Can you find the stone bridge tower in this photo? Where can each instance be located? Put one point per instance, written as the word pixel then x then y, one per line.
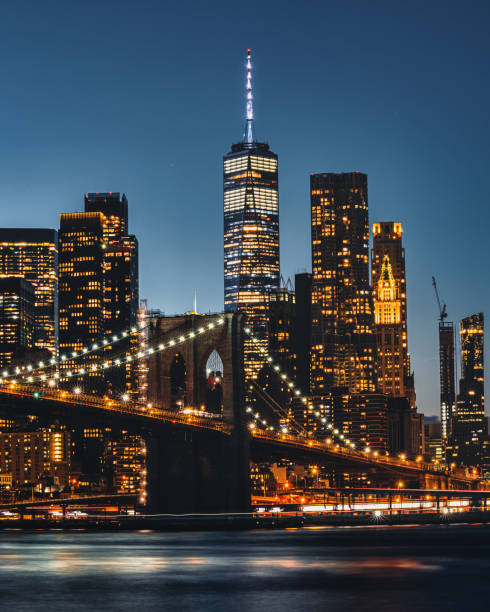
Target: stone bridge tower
pixel 206 471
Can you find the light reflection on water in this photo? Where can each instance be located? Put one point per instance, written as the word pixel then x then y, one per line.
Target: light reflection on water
pixel 386 569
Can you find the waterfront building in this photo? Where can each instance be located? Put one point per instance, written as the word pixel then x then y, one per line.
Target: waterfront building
pixel 17 324
pixel 129 465
pixel 388 280
pixel 32 253
pixel 343 350
pixel 251 232
pixel 30 456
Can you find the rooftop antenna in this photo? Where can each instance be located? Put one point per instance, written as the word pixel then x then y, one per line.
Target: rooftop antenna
pixel 250 107
pixel 195 301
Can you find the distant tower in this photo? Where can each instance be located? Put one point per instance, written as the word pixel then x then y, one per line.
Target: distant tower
pixel 390 311
pixel 446 368
pixel 470 426
pixel 251 231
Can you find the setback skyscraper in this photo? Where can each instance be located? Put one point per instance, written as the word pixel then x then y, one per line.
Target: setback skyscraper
pixel 343 348
pixel 120 284
pixel 390 311
pixel 251 232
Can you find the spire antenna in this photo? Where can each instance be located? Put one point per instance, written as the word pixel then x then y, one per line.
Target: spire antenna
pixel 250 106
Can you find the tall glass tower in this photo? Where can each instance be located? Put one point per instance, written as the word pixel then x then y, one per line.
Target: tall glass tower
pixel 251 232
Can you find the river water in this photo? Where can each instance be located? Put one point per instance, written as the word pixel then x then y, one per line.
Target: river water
pixel 328 569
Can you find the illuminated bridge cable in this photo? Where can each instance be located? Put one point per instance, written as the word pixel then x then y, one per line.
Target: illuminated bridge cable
pixel 84 351
pixel 304 399
pixel 118 361
pixel 277 408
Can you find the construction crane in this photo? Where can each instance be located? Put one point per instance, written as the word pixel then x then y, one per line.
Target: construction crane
pixel 442 310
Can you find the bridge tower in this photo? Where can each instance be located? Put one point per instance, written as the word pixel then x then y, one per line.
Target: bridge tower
pixel 205 471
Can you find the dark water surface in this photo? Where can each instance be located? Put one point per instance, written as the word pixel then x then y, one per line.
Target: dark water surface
pixel 351 569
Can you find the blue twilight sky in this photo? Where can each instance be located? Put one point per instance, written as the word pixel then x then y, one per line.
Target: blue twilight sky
pixel 145 97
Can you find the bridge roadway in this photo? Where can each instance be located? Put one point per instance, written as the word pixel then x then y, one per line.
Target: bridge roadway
pixel 263 440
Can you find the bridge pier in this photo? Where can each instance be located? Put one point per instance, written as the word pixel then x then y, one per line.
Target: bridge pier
pixel 197 472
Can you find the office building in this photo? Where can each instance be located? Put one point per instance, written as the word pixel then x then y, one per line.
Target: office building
pixel 32 254
pixel 17 326
pixel 114 207
pixel 30 456
pixel 302 341
pixel 81 294
pixel 470 426
pixel 251 232
pixel 120 286
pixel 343 350
pixel 129 465
pixel 447 377
pixel 390 311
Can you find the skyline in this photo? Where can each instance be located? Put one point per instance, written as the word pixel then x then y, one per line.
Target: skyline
pixel 147 183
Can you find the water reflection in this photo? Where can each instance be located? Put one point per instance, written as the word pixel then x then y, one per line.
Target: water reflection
pixel 284 570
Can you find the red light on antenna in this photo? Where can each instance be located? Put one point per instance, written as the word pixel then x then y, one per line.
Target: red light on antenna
pixel 249 51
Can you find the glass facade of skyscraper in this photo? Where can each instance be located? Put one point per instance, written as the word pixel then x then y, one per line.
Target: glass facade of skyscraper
pixel 251 240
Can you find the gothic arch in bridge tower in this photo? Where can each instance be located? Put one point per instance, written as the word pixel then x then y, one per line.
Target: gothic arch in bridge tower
pixel 214 380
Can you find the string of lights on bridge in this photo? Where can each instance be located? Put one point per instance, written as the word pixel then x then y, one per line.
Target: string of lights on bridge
pixel 141 354
pixel 297 392
pixel 83 352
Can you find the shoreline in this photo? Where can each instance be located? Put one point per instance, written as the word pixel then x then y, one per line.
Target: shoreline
pixel 239 522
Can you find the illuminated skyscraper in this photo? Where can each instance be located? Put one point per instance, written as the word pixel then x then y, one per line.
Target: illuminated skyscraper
pixel 114 207
pixel 81 285
pixel 390 311
pixel 33 254
pixel 470 426
pixel 343 341
pixel 447 377
pixel 16 318
pixel 251 232
pixel 120 284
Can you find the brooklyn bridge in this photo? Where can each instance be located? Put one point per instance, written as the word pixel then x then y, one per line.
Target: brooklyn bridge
pixel 199 450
